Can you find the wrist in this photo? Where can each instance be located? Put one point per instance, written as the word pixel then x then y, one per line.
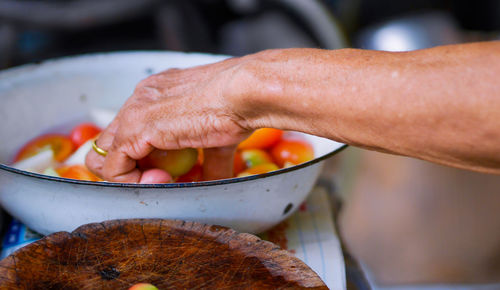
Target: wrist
pixel 254 90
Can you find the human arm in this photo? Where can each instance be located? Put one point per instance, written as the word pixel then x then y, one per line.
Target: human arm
pixel 440 104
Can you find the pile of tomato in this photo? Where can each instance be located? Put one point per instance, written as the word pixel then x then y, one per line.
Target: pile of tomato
pixel 62 146
pixel 264 151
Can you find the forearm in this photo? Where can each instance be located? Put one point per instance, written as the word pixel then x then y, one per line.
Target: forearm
pixel 440 104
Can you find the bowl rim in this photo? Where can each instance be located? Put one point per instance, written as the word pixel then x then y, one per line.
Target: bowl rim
pixel 31 66
pixel 173 185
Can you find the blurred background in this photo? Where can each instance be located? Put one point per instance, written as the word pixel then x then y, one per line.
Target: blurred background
pixel 404 221
pixel 33 30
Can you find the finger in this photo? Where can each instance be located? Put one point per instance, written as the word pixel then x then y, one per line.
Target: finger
pixel 155 175
pixel 120 164
pixel 218 162
pixel 95 161
pixel 119 167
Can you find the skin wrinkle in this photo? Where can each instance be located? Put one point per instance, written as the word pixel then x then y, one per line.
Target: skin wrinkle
pixel 440 107
pixel 417 105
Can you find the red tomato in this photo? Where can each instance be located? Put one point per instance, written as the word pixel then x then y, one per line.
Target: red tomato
pixel 239 164
pixel 195 174
pixel 292 151
pixel 83 132
pixel 79 172
pixel 175 162
pixel 261 139
pixel 259 169
pixel 59 144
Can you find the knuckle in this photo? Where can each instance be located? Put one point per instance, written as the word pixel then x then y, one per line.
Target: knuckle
pixel 172 70
pixel 127 146
pixel 149 81
pixel 145 93
pixel 132 143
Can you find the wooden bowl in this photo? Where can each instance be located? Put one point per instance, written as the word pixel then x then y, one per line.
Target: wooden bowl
pixel 166 253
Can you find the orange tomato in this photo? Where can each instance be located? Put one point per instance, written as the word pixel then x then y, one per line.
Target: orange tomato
pixel 261 139
pixel 78 171
pixel 83 132
pixel 259 169
pixel 59 144
pixel 292 151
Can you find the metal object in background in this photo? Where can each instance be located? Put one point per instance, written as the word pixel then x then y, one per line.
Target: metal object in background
pixel 319 20
pixel 248 26
pixel 183 26
pixel 412 32
pixel 266 31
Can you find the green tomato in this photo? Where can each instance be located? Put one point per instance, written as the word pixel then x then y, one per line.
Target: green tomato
pixel 175 162
pixel 254 157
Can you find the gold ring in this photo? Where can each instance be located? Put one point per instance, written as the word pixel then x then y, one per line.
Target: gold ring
pixel 98 150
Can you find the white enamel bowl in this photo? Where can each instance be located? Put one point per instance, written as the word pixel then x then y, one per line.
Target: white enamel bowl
pixel 36 97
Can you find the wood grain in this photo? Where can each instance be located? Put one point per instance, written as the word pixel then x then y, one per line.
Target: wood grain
pixel 167 253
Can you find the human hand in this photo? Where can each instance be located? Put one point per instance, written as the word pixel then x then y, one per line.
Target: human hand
pixel 178 108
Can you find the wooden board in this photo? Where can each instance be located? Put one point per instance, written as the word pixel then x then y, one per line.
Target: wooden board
pixel 166 253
